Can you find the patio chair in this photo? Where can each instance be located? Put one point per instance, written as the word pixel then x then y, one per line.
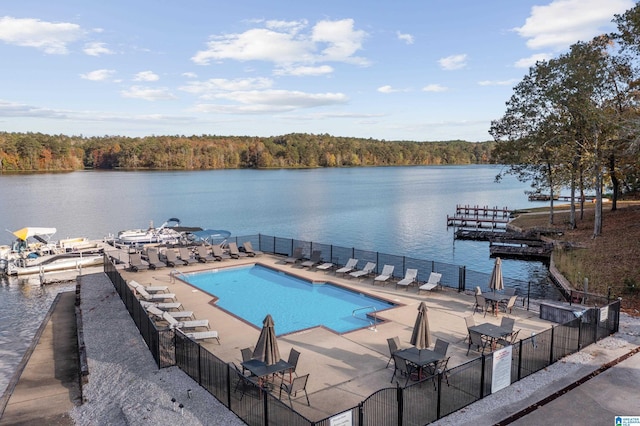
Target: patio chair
pixel 219 254
pixel 184 254
pixel 248 248
pixel 316 258
pixel 476 339
pixel 245 383
pixel 404 368
pixel 481 303
pixel 509 304
pixel 385 275
pixel 350 266
pixel 409 278
pixel 203 255
pixel 507 323
pixel 441 347
pixel 293 358
pixel 432 282
pixel 470 320
pixel 136 264
pixel 174 323
pixel 154 260
pixel 368 269
pixel 234 252
pixel 394 346
pixel 509 291
pixel 172 259
pixel 295 257
pixel 513 337
pixel 299 384
pixel 439 368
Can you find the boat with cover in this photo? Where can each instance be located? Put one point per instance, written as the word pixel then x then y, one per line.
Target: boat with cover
pixel 170 232
pixel 34 252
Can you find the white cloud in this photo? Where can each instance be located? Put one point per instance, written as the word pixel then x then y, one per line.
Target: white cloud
pixel 304 70
pixel 386 89
pixel 190 75
pixel 148 93
pixel 407 38
pixel 453 62
pixel 210 88
pixel 269 101
pixel 98 75
pixel 285 43
pixel 96 49
pixel 564 22
pixel 509 82
pixel 434 88
pixel 49 37
pixel 531 60
pixel 146 76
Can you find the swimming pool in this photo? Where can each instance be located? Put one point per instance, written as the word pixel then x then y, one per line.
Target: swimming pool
pixel 252 292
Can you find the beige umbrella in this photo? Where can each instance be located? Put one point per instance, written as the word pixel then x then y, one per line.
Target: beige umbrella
pixel 496 282
pixel 421 336
pixel 267 347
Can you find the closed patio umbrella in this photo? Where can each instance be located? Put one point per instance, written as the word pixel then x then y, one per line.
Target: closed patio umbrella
pixel 496 282
pixel 267 347
pixel 421 336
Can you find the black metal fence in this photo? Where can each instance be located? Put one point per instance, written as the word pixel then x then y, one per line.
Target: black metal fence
pixel 420 403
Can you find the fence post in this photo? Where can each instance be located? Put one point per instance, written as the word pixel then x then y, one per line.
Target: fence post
pixel 360 413
pixel 199 364
pixel 265 407
pixel 462 278
pixel 528 294
pixel 553 329
pixel 399 400
pixel 482 376
pixel 439 403
pixel 520 360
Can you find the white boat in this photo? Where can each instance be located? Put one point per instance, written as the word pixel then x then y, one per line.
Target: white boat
pixel 34 252
pixel 169 233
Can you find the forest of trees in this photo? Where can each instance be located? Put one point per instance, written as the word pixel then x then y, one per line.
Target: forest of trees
pixel 32 152
pixel 574 121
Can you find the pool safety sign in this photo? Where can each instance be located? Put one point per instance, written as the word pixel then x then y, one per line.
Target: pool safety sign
pixel 627 421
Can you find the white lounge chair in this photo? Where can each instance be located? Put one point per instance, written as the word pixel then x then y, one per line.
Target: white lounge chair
pixel 174 323
pixel 368 269
pixel 350 266
pixel 165 306
pixel 155 297
pixel 149 288
pixel 201 335
pixel 432 282
pixel 409 278
pixel 179 315
pixel 325 266
pixel 385 275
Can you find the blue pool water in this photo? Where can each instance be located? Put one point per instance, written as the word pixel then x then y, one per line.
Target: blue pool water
pixel 252 292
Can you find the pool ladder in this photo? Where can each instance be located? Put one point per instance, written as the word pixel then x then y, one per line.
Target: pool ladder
pixel 375 317
pixel 174 273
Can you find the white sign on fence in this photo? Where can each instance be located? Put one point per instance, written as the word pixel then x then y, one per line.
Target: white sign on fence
pixel 501 368
pixel 342 419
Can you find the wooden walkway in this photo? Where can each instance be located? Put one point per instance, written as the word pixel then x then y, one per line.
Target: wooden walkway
pixel 480 217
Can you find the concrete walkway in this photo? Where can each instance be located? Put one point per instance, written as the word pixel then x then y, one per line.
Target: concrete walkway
pixel 46 385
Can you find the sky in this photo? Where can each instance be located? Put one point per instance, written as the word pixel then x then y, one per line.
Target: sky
pixel 418 70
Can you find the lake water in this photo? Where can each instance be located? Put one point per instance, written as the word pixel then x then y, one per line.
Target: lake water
pixel 395 210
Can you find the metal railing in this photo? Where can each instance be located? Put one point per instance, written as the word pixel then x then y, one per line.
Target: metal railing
pixel 420 403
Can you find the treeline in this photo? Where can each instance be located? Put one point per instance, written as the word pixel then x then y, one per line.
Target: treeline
pixel 41 152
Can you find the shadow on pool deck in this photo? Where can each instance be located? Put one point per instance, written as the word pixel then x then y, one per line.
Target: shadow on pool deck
pixel 344 369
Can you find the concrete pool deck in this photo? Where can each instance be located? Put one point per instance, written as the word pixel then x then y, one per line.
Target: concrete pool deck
pixel 344 369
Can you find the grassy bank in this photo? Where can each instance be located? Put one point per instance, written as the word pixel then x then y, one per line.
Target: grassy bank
pixel 608 261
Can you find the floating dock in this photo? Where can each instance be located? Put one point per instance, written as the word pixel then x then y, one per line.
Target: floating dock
pixel 480 217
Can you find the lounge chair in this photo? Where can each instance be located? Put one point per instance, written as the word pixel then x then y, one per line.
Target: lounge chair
pixel 368 269
pixel 184 254
pixel 248 248
pixel 234 252
pixel 136 264
pixel 316 258
pixel 149 288
pixel 156 297
pixel 325 266
pixel 432 283
pixel 385 275
pixel 409 278
pixel 296 256
pixel 172 259
pixel 203 255
pixel 201 335
pixel 179 315
pixel 350 266
pixel 165 306
pixel 218 253
pixel 154 260
pixel 174 323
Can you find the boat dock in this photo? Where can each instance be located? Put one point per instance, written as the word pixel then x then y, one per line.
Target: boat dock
pixel 480 217
pixel 521 247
